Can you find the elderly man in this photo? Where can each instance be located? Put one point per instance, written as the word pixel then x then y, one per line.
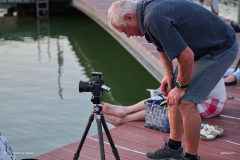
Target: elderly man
pixel 204 46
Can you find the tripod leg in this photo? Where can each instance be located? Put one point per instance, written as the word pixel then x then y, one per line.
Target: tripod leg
pixel 90 120
pixel 100 135
pixel 114 149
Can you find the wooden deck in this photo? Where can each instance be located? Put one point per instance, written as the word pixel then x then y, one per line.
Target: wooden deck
pixel 132 139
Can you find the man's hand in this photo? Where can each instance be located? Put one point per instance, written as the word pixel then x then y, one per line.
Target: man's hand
pixel 185 68
pixel 167 80
pixel 174 96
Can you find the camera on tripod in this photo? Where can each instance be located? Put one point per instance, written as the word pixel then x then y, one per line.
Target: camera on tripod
pixel 96 87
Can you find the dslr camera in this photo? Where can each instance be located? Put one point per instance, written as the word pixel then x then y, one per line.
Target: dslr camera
pixel 96 87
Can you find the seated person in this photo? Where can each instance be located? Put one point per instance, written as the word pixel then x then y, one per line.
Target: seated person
pixel 231 76
pixel 118 115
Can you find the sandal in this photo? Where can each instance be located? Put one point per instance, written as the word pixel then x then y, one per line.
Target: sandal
pixel 210 132
pixel 221 130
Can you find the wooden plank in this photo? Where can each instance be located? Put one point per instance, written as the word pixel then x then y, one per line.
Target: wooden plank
pixel 227 136
pixel 143 140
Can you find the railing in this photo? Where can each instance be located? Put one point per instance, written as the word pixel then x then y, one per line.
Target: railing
pixel 42 8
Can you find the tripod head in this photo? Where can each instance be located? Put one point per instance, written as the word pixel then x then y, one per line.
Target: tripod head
pixel 97 108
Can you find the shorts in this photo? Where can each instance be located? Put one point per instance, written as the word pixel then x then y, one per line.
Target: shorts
pixel 207 72
pixel 211 108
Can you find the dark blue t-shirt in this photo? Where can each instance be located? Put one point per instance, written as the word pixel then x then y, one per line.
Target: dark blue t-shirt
pixel 172 25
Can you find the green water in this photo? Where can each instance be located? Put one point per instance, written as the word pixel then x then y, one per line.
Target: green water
pixel 41 65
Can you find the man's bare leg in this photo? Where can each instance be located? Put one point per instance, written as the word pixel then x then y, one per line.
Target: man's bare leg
pixel 122 111
pixel 192 125
pixel 175 122
pixel 116 121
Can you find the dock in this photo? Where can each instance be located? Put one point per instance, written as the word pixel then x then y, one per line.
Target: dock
pixel 132 139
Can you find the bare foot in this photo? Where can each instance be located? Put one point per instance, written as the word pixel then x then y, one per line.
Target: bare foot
pixel 114 110
pixel 230 78
pixel 112 120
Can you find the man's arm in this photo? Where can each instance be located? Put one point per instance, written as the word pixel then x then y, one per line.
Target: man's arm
pixel 168 77
pixel 185 66
pixel 185 69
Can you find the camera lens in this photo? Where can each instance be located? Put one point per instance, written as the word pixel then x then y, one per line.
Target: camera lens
pixel 84 86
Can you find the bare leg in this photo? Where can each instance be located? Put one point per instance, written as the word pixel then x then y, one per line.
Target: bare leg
pixel 230 78
pixel 122 111
pixel 192 125
pixel 116 121
pixel 175 122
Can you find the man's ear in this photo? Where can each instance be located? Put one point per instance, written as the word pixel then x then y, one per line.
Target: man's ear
pixel 128 17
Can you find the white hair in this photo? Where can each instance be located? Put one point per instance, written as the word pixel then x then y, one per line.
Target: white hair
pixel 118 9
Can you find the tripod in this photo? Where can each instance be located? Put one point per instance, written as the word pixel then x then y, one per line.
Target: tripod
pixel 97 112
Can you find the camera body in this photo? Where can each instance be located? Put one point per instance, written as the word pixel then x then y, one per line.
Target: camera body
pixel 96 87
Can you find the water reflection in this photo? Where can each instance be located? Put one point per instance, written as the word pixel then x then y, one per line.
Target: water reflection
pixel 43 28
pixel 228 9
pixel 60 64
pixel 98 53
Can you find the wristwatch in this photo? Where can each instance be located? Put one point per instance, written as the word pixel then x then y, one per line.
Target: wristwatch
pixel 178 85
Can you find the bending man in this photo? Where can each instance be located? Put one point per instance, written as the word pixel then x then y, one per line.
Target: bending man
pixel 204 46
